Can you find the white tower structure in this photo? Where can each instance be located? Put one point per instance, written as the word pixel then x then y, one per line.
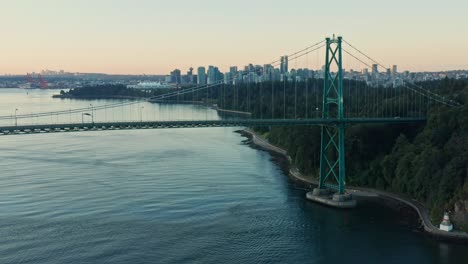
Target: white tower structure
pixel 446 225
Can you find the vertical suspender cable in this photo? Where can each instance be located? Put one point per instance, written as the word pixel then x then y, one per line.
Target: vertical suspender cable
pixel 272 98
pixel 284 97
pixel 307 98
pixel 261 100
pixel 295 98
pixel 248 97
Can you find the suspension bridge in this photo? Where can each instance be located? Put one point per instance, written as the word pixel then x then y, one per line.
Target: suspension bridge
pixel 330 98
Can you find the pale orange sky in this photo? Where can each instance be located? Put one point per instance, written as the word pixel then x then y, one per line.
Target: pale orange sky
pixel 154 37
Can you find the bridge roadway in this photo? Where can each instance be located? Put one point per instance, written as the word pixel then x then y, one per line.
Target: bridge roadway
pixel 98 126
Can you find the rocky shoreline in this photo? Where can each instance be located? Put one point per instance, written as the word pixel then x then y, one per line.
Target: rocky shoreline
pixel 364 193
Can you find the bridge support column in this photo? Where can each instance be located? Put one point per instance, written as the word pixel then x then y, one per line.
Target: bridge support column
pixel 332 179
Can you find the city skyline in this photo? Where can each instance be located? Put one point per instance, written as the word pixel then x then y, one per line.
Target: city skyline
pixel 155 37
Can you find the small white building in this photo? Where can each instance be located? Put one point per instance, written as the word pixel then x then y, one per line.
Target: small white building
pixel 446 225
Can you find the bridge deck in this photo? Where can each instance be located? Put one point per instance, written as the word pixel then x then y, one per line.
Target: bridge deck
pixel 25 129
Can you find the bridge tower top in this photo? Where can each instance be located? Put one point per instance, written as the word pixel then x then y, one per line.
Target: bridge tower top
pixel 333 79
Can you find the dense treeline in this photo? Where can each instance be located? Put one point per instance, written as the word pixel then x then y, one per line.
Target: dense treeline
pixel 427 161
pixel 431 167
pixel 109 91
pixel 303 99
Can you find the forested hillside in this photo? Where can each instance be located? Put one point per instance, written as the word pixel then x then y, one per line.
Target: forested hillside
pixel 108 91
pixel 428 162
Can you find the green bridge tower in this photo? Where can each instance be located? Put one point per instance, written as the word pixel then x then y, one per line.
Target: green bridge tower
pixel 332 151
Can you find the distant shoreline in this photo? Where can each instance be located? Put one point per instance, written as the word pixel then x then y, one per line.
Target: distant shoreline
pixel 364 193
pixel 106 97
pixel 112 97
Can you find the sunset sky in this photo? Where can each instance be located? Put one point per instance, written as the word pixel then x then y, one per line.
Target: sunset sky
pixel 156 36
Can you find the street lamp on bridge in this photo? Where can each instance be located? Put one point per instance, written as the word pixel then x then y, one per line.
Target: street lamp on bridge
pixel 86 114
pixel 92 109
pixel 141 113
pixel 16 119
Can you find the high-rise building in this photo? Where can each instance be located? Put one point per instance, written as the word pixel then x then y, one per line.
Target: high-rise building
pixel 232 75
pixel 214 75
pixel 276 75
pixel 228 78
pixel 284 64
pixel 249 68
pixel 233 70
pixel 219 75
pixel 176 76
pixel 211 75
pixel 293 74
pixel 189 78
pixel 394 70
pixel 375 68
pixel 201 75
pixel 268 71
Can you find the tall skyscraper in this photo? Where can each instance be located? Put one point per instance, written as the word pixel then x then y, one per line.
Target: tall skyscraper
pixel 268 72
pixel 211 75
pixel 375 69
pixel 394 70
pixel 232 75
pixel 284 64
pixel 214 75
pixel 201 75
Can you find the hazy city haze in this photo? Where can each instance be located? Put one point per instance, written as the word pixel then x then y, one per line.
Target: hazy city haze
pixel 154 37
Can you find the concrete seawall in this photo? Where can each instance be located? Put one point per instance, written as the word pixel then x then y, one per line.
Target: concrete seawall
pixel 429 228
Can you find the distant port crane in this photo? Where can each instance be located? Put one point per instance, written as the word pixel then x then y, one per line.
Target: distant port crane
pixel 40 82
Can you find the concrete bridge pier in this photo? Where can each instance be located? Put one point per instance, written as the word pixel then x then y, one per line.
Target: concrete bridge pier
pixel 327 197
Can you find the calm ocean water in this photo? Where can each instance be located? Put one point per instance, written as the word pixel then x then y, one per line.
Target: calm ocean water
pixel 176 196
